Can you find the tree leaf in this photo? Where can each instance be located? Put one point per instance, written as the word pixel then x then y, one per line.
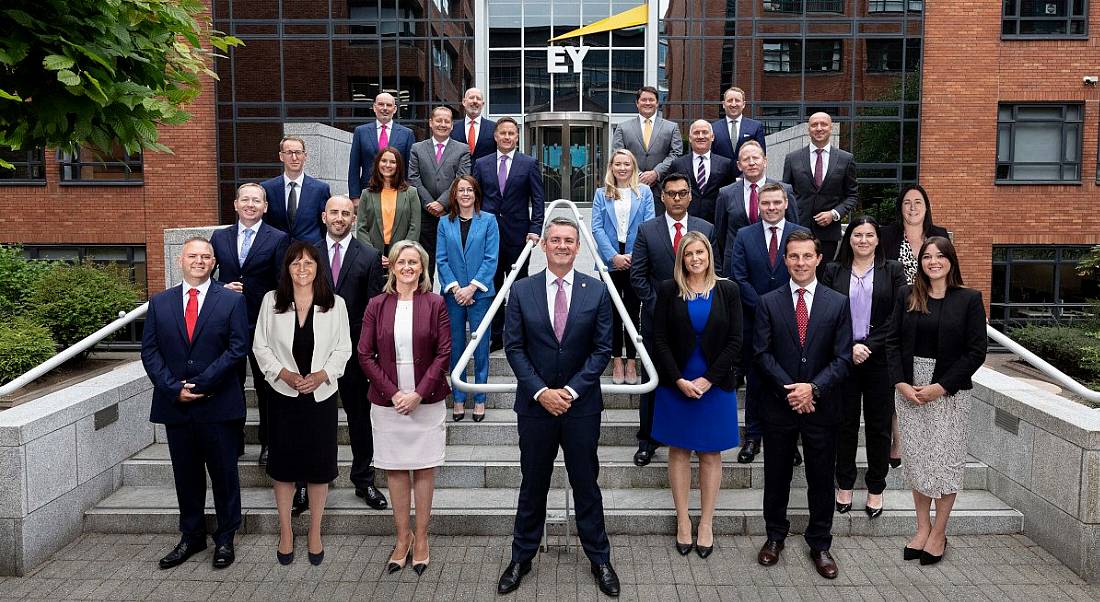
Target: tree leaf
pixel 4 94
pixel 68 78
pixel 57 62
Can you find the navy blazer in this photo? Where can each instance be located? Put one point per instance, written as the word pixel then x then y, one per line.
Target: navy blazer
pixel 475 261
pixel 539 360
pixel 360 280
pixel 730 217
pixel 960 347
pixel 210 360
pixel 261 269
pixel 486 145
pixel 653 259
pixel 311 204
pixel 364 147
pixel 605 222
pixel 522 189
pixel 722 172
pixel 824 360
pixel 749 266
pixel 751 129
pixel 889 279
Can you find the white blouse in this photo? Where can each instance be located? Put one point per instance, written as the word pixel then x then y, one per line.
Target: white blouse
pixel 403 346
pixel 622 212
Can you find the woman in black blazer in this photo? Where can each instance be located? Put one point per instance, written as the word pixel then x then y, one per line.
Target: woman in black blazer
pixel 912 226
pixel 872 284
pixel 936 345
pixel 695 407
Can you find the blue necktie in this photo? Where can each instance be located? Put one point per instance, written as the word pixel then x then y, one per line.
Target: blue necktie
pixel 246 245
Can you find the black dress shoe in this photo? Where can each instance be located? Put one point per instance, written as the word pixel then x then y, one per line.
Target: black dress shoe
pixel 223 556
pixel 824 563
pixel 684 548
pixel 606 579
pixel 797 460
pixel 911 553
pixel 316 559
pixel 372 496
pixel 301 501
pixel 748 451
pixel 895 462
pixel 262 460
pixel 843 508
pixel 479 417
pixel 284 559
pixel 643 456
pixel 181 553
pixel 512 576
pixel 927 559
pixel 703 551
pixel 458 416
pixel 769 552
pixel 874 512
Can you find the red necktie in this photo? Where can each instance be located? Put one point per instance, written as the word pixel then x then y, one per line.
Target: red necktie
pixel 802 315
pixel 679 236
pixel 384 140
pixel 819 169
pixel 773 246
pixel 191 312
pixel 470 137
pixel 754 205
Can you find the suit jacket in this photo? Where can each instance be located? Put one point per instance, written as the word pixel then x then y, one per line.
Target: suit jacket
pixel 605 223
pixel 473 263
pixel 539 360
pixel 720 341
pixel 522 189
pixel 749 265
pixel 721 173
pixel 751 129
pixel 209 361
pixel 364 147
pixel 888 281
pixel 665 143
pixel 653 259
pixel 406 220
pixel 961 345
pixel 431 348
pixel 485 144
pixel 890 238
pixel 273 345
pixel 433 180
pixel 838 189
pixel 730 217
pixel 360 280
pixel 261 269
pixel 824 360
pixel 311 204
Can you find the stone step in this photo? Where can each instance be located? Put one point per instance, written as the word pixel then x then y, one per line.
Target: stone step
pixel 492 511
pixel 498 467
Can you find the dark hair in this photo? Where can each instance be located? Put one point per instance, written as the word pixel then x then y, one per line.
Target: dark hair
pixel 322 290
pixel 377 182
pixel 452 212
pixel 645 89
pixel 802 236
pixel 674 177
pixel 900 215
pixel 847 255
pixel 507 119
pixel 922 284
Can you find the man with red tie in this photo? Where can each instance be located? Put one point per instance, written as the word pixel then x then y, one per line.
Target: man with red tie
pixel 475 130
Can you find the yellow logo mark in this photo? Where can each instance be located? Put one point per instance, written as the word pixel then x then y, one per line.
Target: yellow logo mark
pixel 639 15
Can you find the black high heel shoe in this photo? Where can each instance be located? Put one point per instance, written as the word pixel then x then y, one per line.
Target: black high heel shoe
pixel 704 551
pixel 873 512
pixel 481 416
pixel 842 508
pixel 927 559
pixel 421 565
pixel 895 462
pixel 395 565
pixel 908 553
pixel 458 416
pixel 284 559
pixel 684 548
pixel 318 558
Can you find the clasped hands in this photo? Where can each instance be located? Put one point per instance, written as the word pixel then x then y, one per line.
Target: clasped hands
pixel 406 401
pixel 620 261
pixel 464 295
pixel 801 397
pixel 695 388
pixel 303 384
pixel 920 395
pixel 186 395
pixel 556 401
pixel 435 208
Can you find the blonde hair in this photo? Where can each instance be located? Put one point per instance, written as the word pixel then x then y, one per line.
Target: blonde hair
pixel 611 186
pixel 425 284
pixel 710 279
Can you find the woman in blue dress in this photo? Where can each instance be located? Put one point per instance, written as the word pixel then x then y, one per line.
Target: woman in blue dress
pixel 697 340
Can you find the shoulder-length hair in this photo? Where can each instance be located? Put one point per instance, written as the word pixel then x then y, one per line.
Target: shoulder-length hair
pixel 922 284
pixel 611 187
pixel 679 274
pixel 378 182
pixel 899 216
pixel 284 292
pixel 452 212
pixel 425 284
pixel 847 255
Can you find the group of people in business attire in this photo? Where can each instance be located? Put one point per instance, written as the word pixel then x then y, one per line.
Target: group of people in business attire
pixel 734 278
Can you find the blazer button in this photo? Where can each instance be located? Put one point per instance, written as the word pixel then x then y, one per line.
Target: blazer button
pixel 190 362
pixel 803 360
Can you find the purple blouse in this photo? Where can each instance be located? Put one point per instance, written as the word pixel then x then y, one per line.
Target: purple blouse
pixel 859 295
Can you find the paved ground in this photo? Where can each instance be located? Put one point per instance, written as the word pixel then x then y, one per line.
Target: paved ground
pixel 466 568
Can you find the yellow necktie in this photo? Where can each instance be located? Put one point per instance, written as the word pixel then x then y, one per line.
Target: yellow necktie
pixel 647 131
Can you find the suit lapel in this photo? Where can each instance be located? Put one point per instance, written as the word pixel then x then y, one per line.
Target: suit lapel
pixel 350 255
pixel 821 305
pixel 666 239
pixel 213 296
pixel 540 301
pixel 612 217
pixel 577 302
pixel 176 301
pixel 786 309
pixel 635 206
pixel 258 243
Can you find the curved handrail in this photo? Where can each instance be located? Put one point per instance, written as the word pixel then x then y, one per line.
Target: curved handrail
pixel 1039 363
pixel 459 372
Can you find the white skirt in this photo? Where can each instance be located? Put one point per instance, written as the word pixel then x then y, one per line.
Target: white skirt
pixel 409 442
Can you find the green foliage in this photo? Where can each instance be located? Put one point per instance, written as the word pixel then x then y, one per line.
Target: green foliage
pixel 23 345
pixel 92 72
pixel 1089 265
pixel 76 300
pixel 1075 351
pixel 18 276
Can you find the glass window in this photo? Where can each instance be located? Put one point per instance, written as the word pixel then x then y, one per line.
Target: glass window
pixel 89 166
pixel 505 78
pixel 1039 143
pixel 786 56
pixel 810 6
pixel 893 55
pixel 1044 18
pixel 1039 283
pixel 375 20
pixel 29 167
pixel 895 6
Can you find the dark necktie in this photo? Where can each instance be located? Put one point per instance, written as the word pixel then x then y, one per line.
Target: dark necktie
pixel 802 315
pixel 701 176
pixel 191 312
pixel 292 204
pixel 754 205
pixel 819 169
pixel 773 246
pixel 335 263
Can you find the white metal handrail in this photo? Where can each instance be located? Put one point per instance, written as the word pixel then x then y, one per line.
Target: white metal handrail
pixel 459 372
pixel 1042 365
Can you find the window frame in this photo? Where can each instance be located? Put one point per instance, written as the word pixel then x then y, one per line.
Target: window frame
pixel 1002 256
pixel 1068 20
pixel 800 7
pixel 69 164
pixel 910 47
pixel 790 48
pixel 1062 163
pixel 34 158
pixel 887 6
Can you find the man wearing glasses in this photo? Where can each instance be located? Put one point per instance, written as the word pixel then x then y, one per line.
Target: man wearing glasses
pixel 295 201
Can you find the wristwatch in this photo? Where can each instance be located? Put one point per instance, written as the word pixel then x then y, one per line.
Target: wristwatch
pixel 816 391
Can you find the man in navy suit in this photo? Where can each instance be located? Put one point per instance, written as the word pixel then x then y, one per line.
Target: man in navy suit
pixel 354 270
pixel 803 346
pixel 558 342
pixel 295 200
pixel 735 129
pixel 707 171
pixel 249 256
pixel 511 187
pixel 758 268
pixel 196 335
pixel 652 263
pixel 369 138
pixel 475 130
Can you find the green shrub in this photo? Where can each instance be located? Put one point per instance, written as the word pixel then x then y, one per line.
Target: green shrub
pixel 1074 351
pixel 18 276
pixel 23 345
pixel 74 301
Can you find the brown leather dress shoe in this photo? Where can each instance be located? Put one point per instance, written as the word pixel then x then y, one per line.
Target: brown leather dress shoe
pixel 769 553
pixel 823 561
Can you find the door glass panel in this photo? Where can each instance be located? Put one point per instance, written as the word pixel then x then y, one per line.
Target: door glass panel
pixel 580 164
pixel 549 154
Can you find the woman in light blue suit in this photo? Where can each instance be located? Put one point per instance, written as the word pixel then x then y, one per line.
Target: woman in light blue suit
pixel 617 210
pixel 466 254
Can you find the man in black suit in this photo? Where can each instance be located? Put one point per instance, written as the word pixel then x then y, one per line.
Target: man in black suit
pixel 475 130
pixel 558 342
pixel 824 182
pixel 652 263
pixel 803 345
pixel 708 172
pixel 355 272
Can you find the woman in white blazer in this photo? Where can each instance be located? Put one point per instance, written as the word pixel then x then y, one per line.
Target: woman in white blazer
pixel 302 344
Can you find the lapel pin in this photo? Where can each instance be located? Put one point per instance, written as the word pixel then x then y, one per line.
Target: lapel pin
pixel 584 284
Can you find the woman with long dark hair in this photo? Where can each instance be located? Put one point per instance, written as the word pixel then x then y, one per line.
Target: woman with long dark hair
pixel 389 209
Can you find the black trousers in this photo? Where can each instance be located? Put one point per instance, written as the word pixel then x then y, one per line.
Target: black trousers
pixel 353 396
pixel 645 402
pixel 621 279
pixel 539 439
pixel 429 232
pixel 868 387
pixel 818 450
pixel 507 257
pixel 198 448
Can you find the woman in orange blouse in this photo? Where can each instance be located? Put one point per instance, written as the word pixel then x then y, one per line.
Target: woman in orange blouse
pixel 389 209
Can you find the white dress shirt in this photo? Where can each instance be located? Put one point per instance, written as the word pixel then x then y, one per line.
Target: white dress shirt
pixel 551 297
pixel 747 185
pixel 824 160
pixel 507 164
pixel 240 234
pixel 203 289
pixel 641 123
pixel 286 187
pixel 436 143
pixel 330 241
pixel 733 126
pixel 695 164
pixel 811 288
pixel 671 225
pixel 768 234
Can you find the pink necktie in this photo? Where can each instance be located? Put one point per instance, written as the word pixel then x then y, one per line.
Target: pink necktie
pixel 438 152
pixel 335 263
pixel 561 310
pixel 384 139
pixel 819 169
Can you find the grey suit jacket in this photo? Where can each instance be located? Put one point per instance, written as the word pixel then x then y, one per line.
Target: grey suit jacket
pixel 433 180
pixel 665 143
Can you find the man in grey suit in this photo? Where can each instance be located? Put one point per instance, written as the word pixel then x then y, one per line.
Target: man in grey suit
pixel 655 141
pixel 433 165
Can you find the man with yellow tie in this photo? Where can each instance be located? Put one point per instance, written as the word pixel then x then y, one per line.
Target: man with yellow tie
pixel 655 141
pixel 475 131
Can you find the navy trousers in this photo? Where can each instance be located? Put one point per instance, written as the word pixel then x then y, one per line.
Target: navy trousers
pixel 198 448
